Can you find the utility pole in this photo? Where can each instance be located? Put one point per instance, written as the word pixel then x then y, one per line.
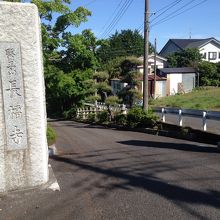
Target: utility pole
pixel 155 66
pixel 95 93
pixel 146 51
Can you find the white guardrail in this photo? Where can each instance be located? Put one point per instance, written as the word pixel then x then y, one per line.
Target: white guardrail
pixel 204 115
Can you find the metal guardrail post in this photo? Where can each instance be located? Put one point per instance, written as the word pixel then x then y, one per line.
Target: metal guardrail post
pixel 204 121
pixel 180 118
pixel 163 115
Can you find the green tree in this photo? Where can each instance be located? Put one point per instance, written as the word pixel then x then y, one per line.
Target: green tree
pixel 79 51
pixel 67 90
pixel 56 17
pixel 190 57
pixel 125 43
pixel 131 76
pixel 209 74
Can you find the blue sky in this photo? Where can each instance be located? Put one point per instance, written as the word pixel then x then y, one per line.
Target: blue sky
pixel 202 21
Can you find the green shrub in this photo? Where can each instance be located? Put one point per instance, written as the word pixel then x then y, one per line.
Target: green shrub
pixel 120 119
pixel 91 117
pixel 137 117
pixel 51 135
pixel 80 116
pixel 69 114
pixel 103 116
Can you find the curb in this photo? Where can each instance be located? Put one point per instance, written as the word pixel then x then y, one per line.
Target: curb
pixel 173 131
pixel 52 150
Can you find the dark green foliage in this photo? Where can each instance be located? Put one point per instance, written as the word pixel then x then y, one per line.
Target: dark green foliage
pixel 137 117
pixel 69 114
pixel 120 119
pixel 91 117
pixel 79 51
pixel 112 100
pixel 129 96
pixel 209 74
pixel 103 116
pixel 65 91
pixel 113 67
pixel 125 43
pixel 51 136
pixel 187 58
pixel 131 76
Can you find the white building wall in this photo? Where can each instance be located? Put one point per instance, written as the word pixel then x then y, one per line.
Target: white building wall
pixel 159 64
pixel 210 47
pixel 160 89
pixel 174 80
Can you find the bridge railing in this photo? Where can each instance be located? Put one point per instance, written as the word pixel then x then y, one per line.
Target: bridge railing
pixel 204 115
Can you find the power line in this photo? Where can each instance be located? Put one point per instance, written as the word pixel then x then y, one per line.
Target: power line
pixel 173 14
pixel 120 50
pixel 141 26
pixel 112 15
pixel 183 6
pixel 166 6
pixel 117 18
pixel 170 5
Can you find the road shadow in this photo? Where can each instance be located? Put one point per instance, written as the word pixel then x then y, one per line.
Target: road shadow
pixel 76 124
pixel 168 145
pixel 129 181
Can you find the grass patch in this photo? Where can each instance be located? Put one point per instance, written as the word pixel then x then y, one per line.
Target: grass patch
pixel 204 99
pixel 51 136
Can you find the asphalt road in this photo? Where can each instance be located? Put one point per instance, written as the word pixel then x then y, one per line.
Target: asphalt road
pixel 111 174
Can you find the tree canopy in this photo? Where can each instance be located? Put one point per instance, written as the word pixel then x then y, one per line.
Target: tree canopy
pixel 187 58
pixel 124 43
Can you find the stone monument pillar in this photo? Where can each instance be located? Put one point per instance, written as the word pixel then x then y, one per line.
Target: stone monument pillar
pixel 23 144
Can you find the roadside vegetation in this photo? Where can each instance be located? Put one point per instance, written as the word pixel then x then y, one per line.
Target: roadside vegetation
pixel 204 98
pixel 136 118
pixel 51 136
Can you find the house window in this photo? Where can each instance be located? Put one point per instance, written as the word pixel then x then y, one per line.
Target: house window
pixel 204 56
pixel 212 55
pixel 219 55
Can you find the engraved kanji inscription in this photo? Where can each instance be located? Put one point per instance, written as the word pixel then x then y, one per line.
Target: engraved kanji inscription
pixel 11 64
pixel 10 53
pixel 13 88
pixel 16 135
pixel 11 68
pixel 13 96
pixel 15 111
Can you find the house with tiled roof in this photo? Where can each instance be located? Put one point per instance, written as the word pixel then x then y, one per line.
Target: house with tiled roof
pixel 209 47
